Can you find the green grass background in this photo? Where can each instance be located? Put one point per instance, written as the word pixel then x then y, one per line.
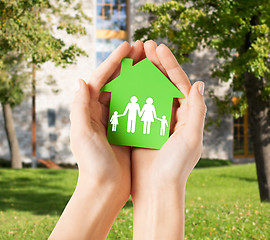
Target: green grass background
pixel 221 203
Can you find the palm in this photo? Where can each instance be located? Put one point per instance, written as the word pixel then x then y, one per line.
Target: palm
pixel 179 154
pixel 121 153
pixel 116 159
pixel 152 161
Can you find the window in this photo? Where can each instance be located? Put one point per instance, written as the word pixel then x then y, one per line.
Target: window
pixel 242 141
pixel 104 47
pixel 51 117
pixel 111 25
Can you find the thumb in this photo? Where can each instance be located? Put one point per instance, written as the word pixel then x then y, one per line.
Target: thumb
pixel 196 110
pixel 80 110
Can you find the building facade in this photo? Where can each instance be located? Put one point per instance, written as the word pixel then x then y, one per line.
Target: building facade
pixel 114 21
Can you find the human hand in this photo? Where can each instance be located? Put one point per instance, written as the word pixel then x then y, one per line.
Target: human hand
pixel 104 170
pixel 178 156
pixel 159 176
pixel 97 160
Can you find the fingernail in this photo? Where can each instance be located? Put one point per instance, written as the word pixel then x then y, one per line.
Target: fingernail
pixel 161 45
pixel 77 85
pixel 201 88
pixel 122 44
pixel 135 43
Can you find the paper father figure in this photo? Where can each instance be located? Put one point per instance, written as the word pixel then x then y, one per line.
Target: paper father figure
pixel 141 105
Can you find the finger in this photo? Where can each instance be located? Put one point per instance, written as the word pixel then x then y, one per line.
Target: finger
pixel 175 107
pixel 150 52
pixel 196 111
pixel 143 56
pixel 135 53
pixel 104 115
pixel 181 116
pixel 80 110
pixel 104 98
pixel 175 72
pixel 102 74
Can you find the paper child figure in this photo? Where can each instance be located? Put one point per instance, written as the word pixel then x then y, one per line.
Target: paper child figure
pixel 114 120
pixel 148 114
pixel 163 124
pixel 132 108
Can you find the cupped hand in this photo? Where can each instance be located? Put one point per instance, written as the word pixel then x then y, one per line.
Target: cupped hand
pixel 172 164
pixel 98 161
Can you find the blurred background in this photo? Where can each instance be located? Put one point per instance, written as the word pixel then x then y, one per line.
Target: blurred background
pixel 45 46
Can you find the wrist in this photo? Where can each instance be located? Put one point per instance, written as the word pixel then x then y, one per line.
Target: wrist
pixel 105 187
pixel 162 209
pixel 157 192
pixel 97 203
pixel 154 185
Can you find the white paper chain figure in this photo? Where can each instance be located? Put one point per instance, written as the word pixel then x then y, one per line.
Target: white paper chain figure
pixel 132 108
pixel 163 125
pixel 148 114
pixel 114 120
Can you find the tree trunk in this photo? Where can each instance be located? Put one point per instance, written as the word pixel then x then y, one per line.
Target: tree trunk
pixel 259 122
pixel 11 136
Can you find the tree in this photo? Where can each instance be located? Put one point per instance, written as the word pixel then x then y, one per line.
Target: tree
pixel 239 33
pixel 28 29
pixel 12 80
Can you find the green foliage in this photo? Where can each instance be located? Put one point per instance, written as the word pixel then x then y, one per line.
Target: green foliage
pixel 172 20
pixel 237 30
pixel 29 29
pixel 13 79
pixel 53 84
pixel 221 203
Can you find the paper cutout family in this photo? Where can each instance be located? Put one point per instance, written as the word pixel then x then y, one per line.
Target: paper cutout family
pixel 147 115
pixel 139 93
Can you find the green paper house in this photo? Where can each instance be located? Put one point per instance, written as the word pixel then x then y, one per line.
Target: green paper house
pixel 141 105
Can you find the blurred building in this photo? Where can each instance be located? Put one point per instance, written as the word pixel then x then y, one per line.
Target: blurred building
pixel 114 21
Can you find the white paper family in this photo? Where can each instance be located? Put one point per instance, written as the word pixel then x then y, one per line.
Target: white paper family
pixel 147 115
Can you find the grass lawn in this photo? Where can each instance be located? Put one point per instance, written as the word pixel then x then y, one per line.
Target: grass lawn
pixel 221 203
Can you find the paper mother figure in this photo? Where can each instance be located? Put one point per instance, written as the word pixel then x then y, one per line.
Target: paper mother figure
pixel 141 105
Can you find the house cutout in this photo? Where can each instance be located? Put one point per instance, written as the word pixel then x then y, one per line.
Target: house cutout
pixel 141 105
